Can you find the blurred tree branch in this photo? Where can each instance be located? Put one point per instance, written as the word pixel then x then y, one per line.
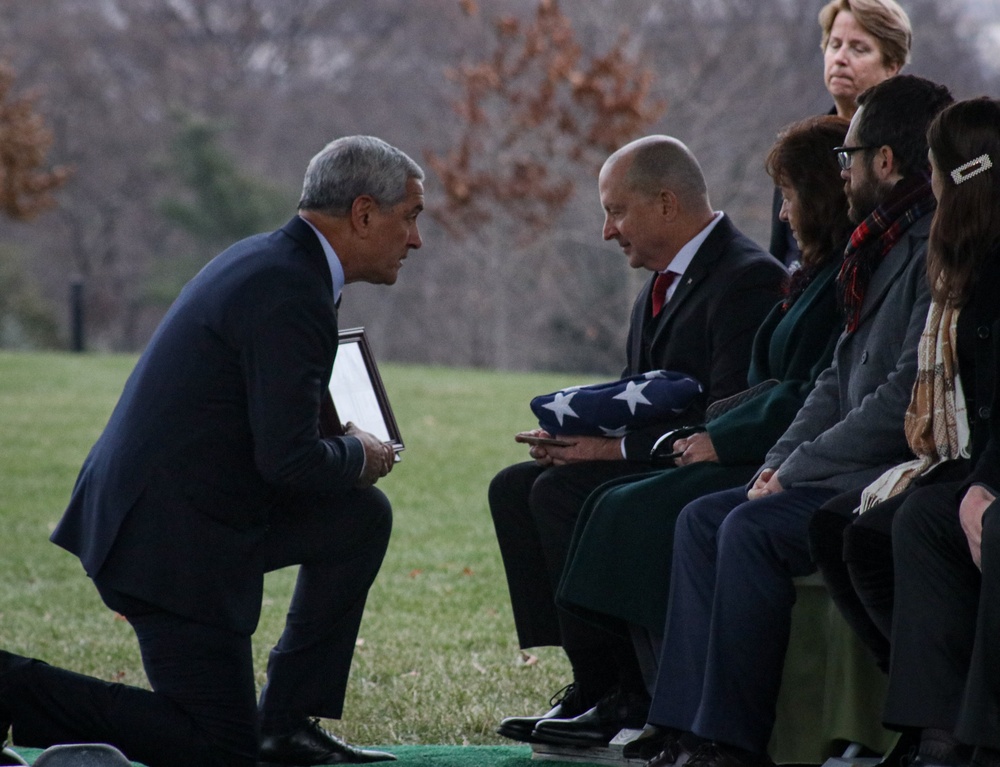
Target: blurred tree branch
pixel 533 112
pixel 25 186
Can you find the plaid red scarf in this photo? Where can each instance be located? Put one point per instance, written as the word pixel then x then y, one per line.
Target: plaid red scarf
pixel 910 200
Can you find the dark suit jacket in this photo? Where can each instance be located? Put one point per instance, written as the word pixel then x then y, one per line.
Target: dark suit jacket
pixel 706 329
pixel 216 429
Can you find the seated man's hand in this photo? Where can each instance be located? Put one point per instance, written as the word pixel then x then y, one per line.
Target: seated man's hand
pixel 379 456
pixel 766 484
pixel 586 449
pixel 538 452
pixel 694 449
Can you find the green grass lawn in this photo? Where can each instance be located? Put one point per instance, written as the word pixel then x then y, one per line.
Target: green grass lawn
pixel 437 660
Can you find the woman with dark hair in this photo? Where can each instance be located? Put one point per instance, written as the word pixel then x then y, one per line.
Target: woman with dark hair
pixel 907 567
pixel 618 569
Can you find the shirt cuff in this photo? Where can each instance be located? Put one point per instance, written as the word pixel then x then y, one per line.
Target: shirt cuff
pixel 364 458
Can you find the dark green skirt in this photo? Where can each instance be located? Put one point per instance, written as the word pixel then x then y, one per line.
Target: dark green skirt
pixel 618 568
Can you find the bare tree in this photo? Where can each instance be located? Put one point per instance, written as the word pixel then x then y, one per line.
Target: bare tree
pixel 26 189
pixel 533 115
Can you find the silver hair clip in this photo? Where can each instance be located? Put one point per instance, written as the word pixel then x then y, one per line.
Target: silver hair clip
pixel 971 168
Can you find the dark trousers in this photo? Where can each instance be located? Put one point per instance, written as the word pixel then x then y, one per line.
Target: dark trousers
pixel 945 671
pixel 854 554
pixel 534 511
pixel 203 707
pixel 729 613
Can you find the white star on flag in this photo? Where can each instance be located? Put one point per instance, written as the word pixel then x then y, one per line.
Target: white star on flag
pixel 633 395
pixel 561 407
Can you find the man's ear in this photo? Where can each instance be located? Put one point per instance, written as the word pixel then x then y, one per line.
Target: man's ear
pixel 884 164
pixel 668 204
pixel 361 214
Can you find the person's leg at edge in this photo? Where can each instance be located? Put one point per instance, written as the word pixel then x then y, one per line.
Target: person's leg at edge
pixel 528 580
pixel 529 583
pixel 534 512
pixel 339 546
pixel 868 559
pixel 202 708
pixel 681 670
pixel 762 546
pixel 934 577
pixel 826 544
pixel 979 717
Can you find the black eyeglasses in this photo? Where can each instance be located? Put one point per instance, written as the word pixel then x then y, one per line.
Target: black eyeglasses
pixel 845 154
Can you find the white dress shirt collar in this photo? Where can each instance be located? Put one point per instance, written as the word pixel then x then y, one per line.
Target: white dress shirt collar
pixel 336 269
pixel 686 254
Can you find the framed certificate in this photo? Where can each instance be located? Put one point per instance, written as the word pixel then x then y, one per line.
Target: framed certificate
pixel 357 390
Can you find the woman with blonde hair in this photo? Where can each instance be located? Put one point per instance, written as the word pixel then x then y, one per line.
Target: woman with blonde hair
pixel 864 42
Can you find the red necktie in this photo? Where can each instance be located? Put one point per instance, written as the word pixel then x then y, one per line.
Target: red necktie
pixel 661 284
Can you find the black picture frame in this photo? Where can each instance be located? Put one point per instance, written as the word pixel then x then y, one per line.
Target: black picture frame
pixel 357 390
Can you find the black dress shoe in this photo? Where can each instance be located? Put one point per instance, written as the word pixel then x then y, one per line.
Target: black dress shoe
pixel 600 724
pixel 677 751
pixel 721 755
pixel 649 743
pixel 565 704
pixel 310 745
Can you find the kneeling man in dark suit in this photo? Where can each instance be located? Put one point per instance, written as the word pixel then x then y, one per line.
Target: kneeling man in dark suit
pixel 213 471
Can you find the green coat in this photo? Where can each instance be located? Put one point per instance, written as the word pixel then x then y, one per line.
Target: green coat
pixel 618 566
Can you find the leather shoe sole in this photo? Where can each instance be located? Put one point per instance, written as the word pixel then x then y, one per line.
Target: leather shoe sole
pixel 359 757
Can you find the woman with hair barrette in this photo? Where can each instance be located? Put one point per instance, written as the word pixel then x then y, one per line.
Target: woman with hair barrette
pixel 918 568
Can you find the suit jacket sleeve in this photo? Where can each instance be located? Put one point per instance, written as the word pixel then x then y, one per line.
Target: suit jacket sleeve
pixel 288 357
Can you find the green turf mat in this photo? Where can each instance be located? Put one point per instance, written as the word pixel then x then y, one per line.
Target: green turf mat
pixel 424 756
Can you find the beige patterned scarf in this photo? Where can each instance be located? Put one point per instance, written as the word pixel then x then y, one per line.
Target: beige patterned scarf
pixel 937 428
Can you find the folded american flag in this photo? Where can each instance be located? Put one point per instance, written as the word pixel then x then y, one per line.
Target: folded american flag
pixel 612 409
